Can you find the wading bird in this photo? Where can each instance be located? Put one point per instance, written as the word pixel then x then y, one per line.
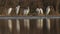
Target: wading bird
pixel 48 20
pixel 26 11
pixel 10 21
pixel 17 20
pixel 48 10
pixel 39 10
pixel 39 21
pixel 26 21
pixel 17 9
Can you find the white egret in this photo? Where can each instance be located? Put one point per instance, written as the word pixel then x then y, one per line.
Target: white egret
pixel 26 11
pixel 17 9
pixel 39 21
pixel 10 21
pixel 17 20
pixel 26 21
pixel 39 10
pixel 48 10
pixel 48 20
pixel 9 10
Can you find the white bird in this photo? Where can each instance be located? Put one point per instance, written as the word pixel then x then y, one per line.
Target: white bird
pixel 47 10
pixel 26 21
pixel 48 20
pixel 17 20
pixel 26 11
pixel 10 21
pixel 17 9
pixel 39 21
pixel 39 10
pixel 9 10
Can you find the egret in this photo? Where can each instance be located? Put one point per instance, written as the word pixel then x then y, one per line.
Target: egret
pixel 9 10
pixel 26 21
pixel 39 10
pixel 26 11
pixel 39 21
pixel 17 9
pixel 47 10
pixel 9 21
pixel 48 20
pixel 17 20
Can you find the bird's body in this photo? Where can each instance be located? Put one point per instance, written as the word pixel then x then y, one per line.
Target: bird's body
pixel 9 10
pixel 47 10
pixel 17 9
pixel 39 10
pixel 26 11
